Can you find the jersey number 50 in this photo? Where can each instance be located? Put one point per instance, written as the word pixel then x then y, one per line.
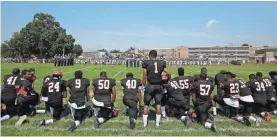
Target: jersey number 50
pixel 103 84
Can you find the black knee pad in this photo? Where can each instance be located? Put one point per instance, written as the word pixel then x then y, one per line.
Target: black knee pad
pixel 270 106
pixel 105 112
pixel 80 114
pixel 57 113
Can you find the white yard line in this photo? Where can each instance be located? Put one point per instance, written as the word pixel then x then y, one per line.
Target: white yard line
pixel 118 73
pixel 39 81
pixel 174 130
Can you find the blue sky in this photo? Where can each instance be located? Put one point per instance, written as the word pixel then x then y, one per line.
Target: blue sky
pixel 119 25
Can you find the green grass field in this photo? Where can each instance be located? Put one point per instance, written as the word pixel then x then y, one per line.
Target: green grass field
pixel 119 126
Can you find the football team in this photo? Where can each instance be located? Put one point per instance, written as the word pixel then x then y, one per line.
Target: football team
pixel 170 96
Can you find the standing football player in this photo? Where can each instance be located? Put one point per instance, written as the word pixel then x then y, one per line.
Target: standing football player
pixel 79 96
pixel 8 93
pixel 203 101
pixel 131 96
pixel 152 71
pixel 104 98
pixel 56 91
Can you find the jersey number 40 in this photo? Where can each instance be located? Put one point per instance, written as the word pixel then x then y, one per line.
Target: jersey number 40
pixel 131 84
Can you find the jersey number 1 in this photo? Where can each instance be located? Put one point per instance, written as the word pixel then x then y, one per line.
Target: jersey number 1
pixel 156 67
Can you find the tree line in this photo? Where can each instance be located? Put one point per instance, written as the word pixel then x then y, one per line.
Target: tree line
pixel 43 38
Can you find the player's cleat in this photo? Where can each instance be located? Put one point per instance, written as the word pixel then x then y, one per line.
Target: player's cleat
pixel 164 117
pixel 132 123
pixel 96 123
pixel 157 125
pixel 247 122
pixel 41 123
pixel 33 112
pixel 72 128
pixel 213 128
pixel 258 122
pixel 21 120
pixel 267 116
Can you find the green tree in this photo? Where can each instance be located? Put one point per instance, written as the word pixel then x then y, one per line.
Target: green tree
pixel 77 50
pixel 16 47
pixel 43 37
pixel 6 51
pixel 245 45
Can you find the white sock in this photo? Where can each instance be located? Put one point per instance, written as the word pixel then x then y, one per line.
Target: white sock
pixel 6 117
pixel 144 117
pixel 183 118
pixel 158 118
pixel 186 112
pixel 239 118
pixel 263 114
pixel 50 121
pixel 95 111
pixel 275 112
pixel 208 125
pixel 41 111
pixel 163 110
pixel 101 120
pixel 77 123
pixel 124 108
pixel 214 110
pixel 252 118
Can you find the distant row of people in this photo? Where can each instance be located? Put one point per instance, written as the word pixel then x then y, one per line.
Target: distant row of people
pixel 67 60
